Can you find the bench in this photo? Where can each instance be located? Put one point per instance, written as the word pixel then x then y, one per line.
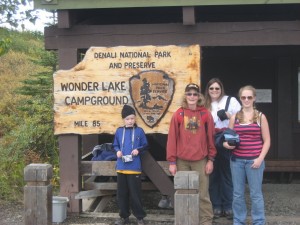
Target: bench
pixel 282 165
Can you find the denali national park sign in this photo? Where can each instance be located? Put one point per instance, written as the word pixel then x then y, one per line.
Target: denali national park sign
pixel 88 98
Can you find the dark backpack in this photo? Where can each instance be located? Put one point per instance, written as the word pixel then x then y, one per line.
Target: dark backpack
pixel 104 152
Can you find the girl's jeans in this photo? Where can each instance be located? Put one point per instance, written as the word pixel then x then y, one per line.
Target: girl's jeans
pixel 241 172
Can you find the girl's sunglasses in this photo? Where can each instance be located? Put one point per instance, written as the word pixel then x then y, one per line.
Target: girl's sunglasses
pixel 216 88
pixel 246 97
pixel 191 94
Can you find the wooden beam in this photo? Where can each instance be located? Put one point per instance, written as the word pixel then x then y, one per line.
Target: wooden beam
pixel 69 147
pixel 108 168
pixel 206 34
pixel 87 4
pixel 102 204
pixel 188 15
pixel 98 168
pixel 93 193
pixel 64 19
pixel 158 176
pixel 282 166
pixel 148 186
pixel 67 58
pixel 69 164
pixel 284 109
pixel 89 142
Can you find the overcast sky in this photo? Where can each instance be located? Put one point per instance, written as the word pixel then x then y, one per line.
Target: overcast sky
pixel 44 18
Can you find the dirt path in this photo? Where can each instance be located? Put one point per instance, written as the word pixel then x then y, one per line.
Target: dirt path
pixel 282 204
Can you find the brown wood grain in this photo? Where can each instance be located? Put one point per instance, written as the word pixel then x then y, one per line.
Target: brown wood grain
pixel 110 87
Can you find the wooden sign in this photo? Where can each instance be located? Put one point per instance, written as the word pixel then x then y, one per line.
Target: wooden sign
pixel 88 98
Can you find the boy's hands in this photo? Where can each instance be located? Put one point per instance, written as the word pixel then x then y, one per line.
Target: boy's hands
pixel 119 154
pixel 135 152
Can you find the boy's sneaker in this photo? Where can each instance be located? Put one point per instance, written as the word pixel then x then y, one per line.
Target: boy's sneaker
pixel 141 222
pixel 122 221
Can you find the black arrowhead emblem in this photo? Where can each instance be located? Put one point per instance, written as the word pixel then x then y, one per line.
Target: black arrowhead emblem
pixel 152 93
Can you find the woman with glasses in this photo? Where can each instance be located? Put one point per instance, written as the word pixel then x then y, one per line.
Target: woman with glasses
pixel 220 183
pixel 190 145
pixel 247 160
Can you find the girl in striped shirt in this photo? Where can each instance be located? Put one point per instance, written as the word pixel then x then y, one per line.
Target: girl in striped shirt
pixel 247 160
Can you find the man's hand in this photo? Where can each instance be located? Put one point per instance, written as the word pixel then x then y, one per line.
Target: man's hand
pixel 209 167
pixel 173 169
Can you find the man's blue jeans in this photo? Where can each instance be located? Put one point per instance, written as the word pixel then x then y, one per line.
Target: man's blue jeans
pixel 220 184
pixel 241 172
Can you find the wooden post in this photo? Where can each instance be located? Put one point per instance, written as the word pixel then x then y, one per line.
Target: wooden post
pixel 69 147
pixel 69 164
pixel 186 198
pixel 38 194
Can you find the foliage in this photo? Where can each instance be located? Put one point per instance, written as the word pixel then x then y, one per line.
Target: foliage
pixel 4 45
pixel 12 13
pixel 26 115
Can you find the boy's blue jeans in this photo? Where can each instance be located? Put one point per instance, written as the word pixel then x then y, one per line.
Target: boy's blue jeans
pixel 220 184
pixel 241 172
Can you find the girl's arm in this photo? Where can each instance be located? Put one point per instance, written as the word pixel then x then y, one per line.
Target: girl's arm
pixel 231 121
pixel 265 131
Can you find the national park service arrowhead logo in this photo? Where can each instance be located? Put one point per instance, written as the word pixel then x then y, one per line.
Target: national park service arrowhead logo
pixel 152 93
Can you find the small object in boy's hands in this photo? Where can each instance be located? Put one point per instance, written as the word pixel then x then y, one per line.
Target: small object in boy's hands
pixel 127 158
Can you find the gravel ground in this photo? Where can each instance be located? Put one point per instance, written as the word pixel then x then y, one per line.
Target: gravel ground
pixel 282 204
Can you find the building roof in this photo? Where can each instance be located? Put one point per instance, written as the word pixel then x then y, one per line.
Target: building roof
pixel 93 4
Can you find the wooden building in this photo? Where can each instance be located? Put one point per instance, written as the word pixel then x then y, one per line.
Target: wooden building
pixel 242 42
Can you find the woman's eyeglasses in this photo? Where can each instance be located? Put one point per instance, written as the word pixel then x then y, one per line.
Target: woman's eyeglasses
pixel 246 97
pixel 214 88
pixel 191 94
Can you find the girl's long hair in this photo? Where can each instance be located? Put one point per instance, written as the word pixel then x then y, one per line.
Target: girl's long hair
pixel 207 97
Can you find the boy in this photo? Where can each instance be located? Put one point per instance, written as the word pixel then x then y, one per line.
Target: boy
pixel 191 146
pixel 129 142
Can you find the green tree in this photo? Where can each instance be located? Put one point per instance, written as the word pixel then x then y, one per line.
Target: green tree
pixel 12 13
pixel 26 106
pixel 4 45
pixel 39 104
